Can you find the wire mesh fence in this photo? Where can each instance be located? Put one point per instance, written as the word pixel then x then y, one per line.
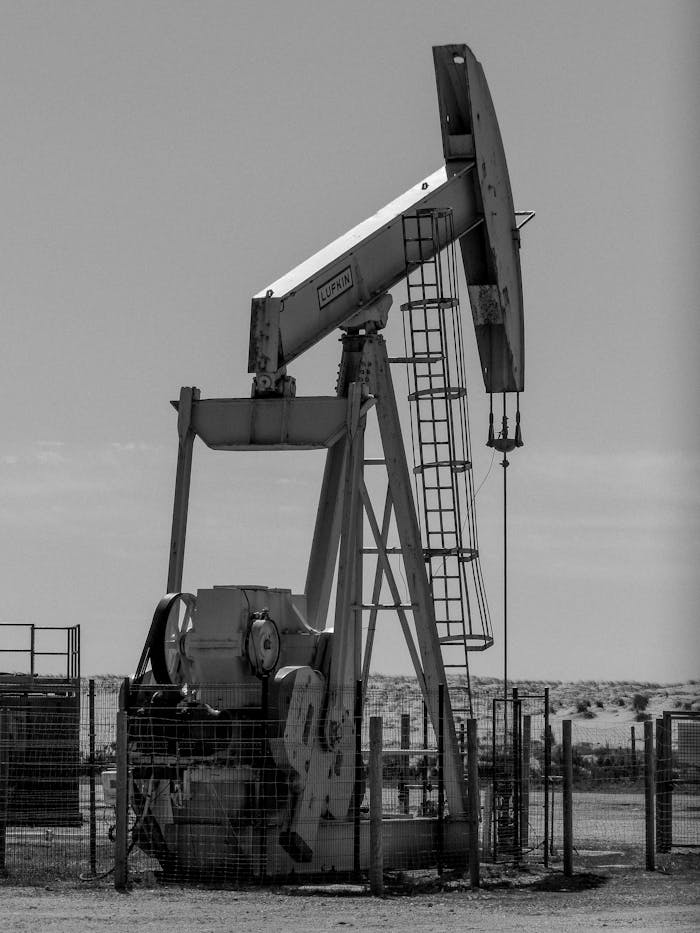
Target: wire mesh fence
pixel 678 780
pixel 272 784
pixel 232 789
pixel 685 750
pixel 608 792
pixel 56 740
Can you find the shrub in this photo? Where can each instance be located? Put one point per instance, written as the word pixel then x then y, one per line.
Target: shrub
pixel 640 702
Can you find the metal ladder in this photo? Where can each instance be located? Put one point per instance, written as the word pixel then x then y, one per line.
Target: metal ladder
pixel 440 435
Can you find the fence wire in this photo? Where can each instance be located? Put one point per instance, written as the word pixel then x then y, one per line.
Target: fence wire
pixel 222 794
pixel 608 793
pixel 58 816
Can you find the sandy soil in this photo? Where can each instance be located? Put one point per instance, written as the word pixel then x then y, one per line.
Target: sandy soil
pixel 626 899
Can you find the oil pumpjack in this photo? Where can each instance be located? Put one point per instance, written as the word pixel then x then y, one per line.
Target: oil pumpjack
pixel 245 706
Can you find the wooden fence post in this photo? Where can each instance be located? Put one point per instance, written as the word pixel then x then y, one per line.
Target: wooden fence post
pixel 424 782
pixel 649 778
pixel 405 743
pixel 474 800
pixel 517 772
pixel 546 777
pixel 359 780
pixel 441 779
pixel 92 773
pixel 121 873
pixel 567 799
pixel 4 785
pixel 525 784
pixel 376 858
pixel 487 828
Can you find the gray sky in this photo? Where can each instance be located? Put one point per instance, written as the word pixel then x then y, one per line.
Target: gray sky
pixel 163 162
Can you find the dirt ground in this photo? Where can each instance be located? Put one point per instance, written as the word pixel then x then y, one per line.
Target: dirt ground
pixel 624 898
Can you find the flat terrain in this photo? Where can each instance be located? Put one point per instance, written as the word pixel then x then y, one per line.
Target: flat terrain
pixel 609 890
pixel 618 899
pixel 606 704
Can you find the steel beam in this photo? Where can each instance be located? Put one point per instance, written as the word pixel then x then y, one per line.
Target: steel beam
pixel 311 301
pixel 189 396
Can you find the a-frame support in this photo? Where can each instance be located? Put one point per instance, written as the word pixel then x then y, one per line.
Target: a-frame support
pixel 344 500
pixel 431 672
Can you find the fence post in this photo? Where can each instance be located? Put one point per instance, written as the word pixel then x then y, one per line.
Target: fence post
pixel 567 798
pixel 4 785
pixel 91 772
pixel 633 744
pixel 376 856
pixel 547 775
pixel 424 792
pixel 441 778
pixel 487 827
pixel 525 783
pixel 122 828
pixel 649 795
pixel 405 743
pixel 494 784
pixel 474 800
pixel 664 800
pixel 517 803
pixel 357 796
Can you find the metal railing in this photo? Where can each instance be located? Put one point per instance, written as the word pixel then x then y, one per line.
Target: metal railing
pixel 35 650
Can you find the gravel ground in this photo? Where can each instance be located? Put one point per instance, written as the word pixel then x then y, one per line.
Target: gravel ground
pixel 625 898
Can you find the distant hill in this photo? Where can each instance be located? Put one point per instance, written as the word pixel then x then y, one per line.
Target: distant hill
pixel 604 703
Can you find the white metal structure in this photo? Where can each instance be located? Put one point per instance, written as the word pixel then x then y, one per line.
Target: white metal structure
pixel 305 655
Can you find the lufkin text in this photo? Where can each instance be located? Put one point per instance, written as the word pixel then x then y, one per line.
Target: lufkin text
pixel 334 287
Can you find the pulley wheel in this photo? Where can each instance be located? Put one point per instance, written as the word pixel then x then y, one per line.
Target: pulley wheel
pixel 171 620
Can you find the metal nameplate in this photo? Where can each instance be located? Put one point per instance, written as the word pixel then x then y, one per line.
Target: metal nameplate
pixel 330 290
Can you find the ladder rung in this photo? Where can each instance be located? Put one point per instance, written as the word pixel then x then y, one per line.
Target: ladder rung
pixel 431 358
pixel 466 553
pixel 385 606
